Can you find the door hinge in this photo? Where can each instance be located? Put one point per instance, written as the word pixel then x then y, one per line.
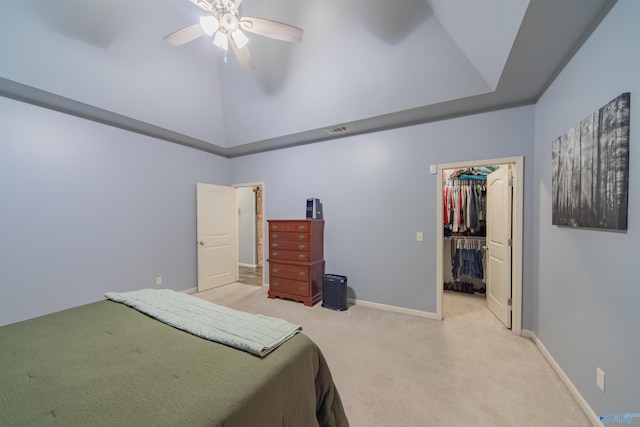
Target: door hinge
pixel 510 182
pixel 509 242
pixel 509 302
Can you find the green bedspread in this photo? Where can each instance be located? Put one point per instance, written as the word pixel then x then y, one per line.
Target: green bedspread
pixel 107 364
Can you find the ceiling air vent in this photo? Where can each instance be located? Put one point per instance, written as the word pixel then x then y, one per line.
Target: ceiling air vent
pixel 339 129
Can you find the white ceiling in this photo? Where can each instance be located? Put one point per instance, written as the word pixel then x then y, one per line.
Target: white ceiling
pixel 365 64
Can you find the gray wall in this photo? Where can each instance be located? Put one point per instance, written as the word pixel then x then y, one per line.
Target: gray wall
pixel 586 298
pixel 86 208
pixel 377 192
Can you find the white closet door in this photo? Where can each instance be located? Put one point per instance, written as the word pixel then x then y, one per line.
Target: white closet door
pixel 499 213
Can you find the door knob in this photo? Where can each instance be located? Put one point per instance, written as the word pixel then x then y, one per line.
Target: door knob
pixel 201 243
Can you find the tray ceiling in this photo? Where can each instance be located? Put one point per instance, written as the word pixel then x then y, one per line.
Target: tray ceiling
pixel 364 65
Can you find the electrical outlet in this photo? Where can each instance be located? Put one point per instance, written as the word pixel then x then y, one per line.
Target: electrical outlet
pixel 600 378
pixel 419 236
pixel 159 280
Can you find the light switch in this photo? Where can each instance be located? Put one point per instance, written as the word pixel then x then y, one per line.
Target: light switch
pixel 419 236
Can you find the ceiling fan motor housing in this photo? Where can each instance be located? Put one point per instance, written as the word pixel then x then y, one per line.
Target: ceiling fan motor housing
pixel 229 22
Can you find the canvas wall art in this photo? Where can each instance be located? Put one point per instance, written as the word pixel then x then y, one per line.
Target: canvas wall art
pixel 590 162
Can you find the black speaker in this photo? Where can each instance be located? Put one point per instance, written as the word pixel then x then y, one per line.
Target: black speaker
pixel 334 292
pixel 314 208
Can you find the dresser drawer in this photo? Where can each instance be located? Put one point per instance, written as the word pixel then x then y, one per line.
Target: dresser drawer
pixel 289 255
pixel 283 236
pixel 288 286
pixel 300 226
pixel 288 271
pixel 289 245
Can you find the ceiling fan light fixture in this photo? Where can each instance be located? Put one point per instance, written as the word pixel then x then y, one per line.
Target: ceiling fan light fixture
pixel 209 24
pixel 227 26
pixel 221 40
pixel 230 22
pixel 239 38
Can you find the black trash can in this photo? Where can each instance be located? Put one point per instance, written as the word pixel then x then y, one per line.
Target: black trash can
pixel 334 292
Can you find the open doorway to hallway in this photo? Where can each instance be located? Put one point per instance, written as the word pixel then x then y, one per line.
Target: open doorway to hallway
pixel 250 233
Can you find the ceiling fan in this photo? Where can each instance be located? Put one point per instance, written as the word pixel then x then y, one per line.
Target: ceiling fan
pixel 226 24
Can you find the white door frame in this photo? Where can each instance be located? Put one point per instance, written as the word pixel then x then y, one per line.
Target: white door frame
pixel 264 225
pixel 517 259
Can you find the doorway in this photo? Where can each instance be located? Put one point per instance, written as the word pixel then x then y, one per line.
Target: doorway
pixel 250 233
pixel 516 165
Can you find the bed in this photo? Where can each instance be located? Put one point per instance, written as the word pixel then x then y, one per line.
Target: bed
pixel 108 364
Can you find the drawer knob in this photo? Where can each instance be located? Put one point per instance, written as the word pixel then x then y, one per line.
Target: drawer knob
pixel 302 247
pixel 275 270
pixel 274 253
pixel 274 235
pixel 301 227
pixel 302 256
pixel 302 288
pixel 301 236
pixel 275 284
pixel 274 245
pixel 302 273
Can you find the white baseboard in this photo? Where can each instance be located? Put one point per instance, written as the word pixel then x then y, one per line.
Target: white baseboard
pixel 241 264
pixel 353 301
pixel 588 411
pixel 409 311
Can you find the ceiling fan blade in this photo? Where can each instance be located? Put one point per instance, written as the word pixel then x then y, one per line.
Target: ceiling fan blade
pixel 243 55
pixel 185 35
pixel 274 29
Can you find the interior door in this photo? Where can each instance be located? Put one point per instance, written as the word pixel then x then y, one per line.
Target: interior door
pixel 217 235
pixel 498 256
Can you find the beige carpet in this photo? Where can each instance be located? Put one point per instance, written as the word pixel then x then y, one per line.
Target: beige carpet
pixel 398 370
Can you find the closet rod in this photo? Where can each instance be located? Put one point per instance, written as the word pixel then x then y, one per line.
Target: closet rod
pixel 466 237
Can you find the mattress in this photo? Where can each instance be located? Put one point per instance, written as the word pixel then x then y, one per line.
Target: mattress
pixel 108 364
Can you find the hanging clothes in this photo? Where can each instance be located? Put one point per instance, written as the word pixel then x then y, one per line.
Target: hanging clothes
pixel 467 258
pixel 464 207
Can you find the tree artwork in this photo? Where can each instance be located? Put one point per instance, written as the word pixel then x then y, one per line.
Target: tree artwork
pixel 590 162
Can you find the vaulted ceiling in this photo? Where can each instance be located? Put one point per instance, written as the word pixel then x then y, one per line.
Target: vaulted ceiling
pixel 363 65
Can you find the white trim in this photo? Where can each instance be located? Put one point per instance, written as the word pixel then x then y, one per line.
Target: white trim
pixel 588 411
pixel 393 308
pixel 189 291
pixel 242 264
pixel 517 233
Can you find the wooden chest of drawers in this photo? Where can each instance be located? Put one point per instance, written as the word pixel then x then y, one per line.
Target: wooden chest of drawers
pixel 296 259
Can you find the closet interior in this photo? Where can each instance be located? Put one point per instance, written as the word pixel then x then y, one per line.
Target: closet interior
pixel 465 215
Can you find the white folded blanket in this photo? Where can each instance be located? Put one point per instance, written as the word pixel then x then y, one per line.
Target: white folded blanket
pixel 253 333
